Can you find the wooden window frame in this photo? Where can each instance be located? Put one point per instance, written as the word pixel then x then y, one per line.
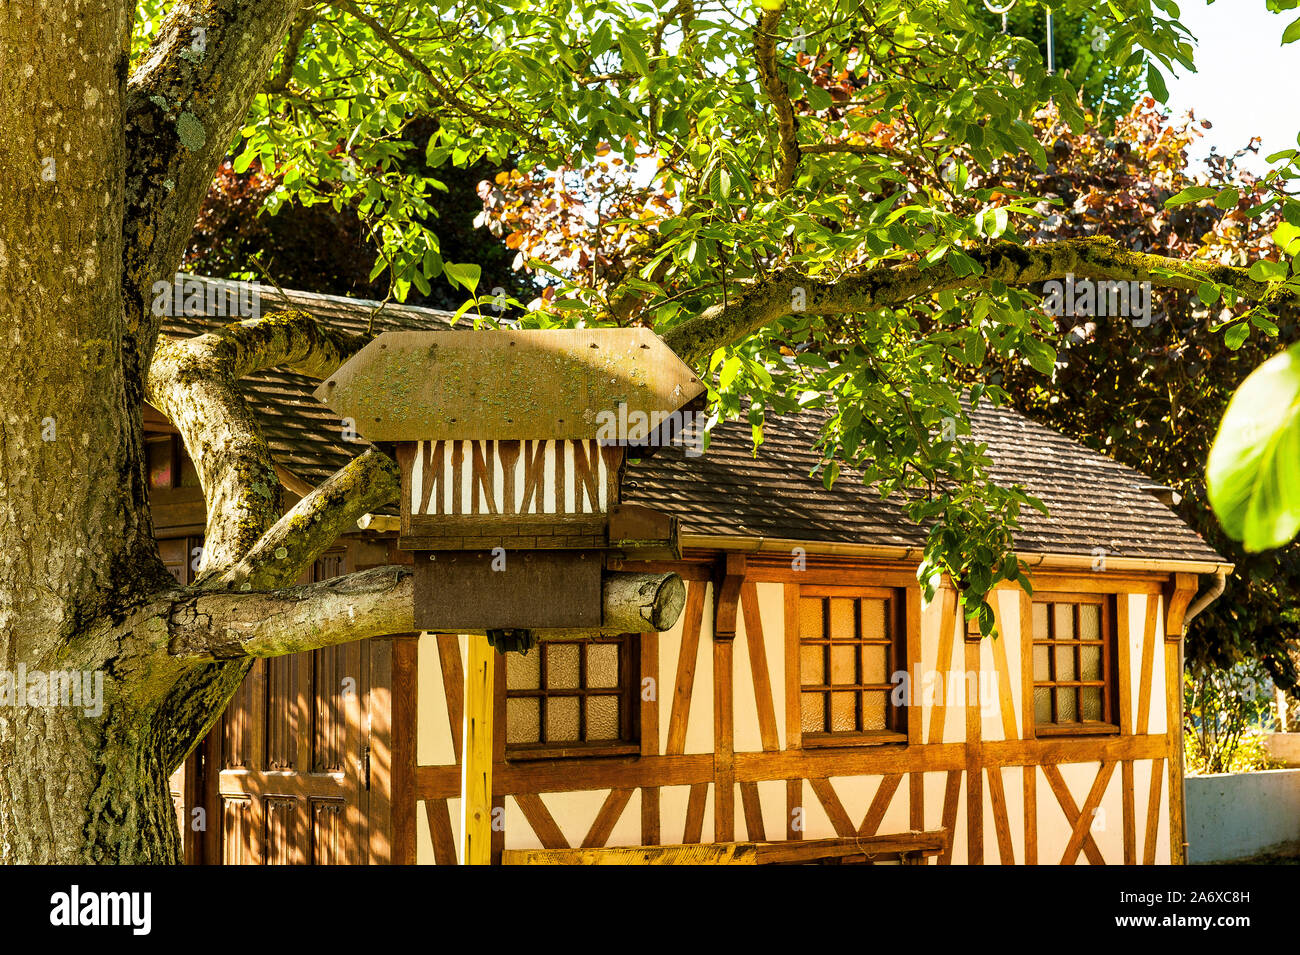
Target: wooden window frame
pixel 628 742
pixel 896 618
pixel 1111 660
pixel 190 542
pixel 175 453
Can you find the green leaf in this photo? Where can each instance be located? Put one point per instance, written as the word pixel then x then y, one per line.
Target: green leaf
pixel 1287 238
pixel 463 273
pixel 818 98
pixel 1253 472
pixel 1265 271
pixel 1207 293
pixel 1291 33
pixel 633 55
pixel 1262 322
pixel 1236 335
pixel 1227 199
pixel 1190 194
pixel 1156 84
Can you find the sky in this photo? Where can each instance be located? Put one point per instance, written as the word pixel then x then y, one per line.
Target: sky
pixel 1246 81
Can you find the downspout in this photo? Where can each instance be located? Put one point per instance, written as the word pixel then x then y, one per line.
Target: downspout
pixel 1206 597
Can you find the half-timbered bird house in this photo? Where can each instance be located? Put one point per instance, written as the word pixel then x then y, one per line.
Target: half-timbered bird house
pixel 511 455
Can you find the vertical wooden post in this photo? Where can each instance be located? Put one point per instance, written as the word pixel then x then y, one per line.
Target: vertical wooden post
pixel 974 747
pixel 403 729
pixel 476 760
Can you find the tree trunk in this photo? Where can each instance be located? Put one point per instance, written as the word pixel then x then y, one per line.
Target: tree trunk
pixel 76 543
pixel 75 789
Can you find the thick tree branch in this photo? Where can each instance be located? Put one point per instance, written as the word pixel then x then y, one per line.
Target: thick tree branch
pixel 184 103
pixel 1094 257
pixel 280 82
pixel 224 625
pixel 787 125
pixel 193 383
pixel 221 625
pixel 304 533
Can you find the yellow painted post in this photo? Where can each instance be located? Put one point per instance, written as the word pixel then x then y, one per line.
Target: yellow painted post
pixel 476 764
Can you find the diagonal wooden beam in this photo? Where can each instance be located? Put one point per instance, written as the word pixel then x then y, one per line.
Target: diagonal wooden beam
pixel 540 818
pixel 880 804
pixel 694 831
pixel 754 830
pixel 834 808
pixel 1153 811
pixel 758 668
pixel 1001 823
pixel 438 814
pixel 607 818
pixel 950 794
pixel 453 685
pixel 999 646
pixel 1071 810
pixel 693 618
pixel 1149 642
pixel 1083 825
pixel 947 634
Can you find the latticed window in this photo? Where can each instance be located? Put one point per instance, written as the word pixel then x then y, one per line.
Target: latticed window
pixel 1074 665
pixel 572 695
pixel 849 646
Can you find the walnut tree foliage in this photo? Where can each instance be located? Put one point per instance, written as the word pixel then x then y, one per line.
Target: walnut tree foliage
pixel 803 147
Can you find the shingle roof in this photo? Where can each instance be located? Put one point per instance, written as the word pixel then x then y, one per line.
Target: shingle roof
pixel 1094 501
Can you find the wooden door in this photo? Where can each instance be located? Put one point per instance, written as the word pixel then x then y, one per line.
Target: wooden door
pixel 295 772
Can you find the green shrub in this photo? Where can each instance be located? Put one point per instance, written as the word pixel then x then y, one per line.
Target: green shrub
pixel 1225 714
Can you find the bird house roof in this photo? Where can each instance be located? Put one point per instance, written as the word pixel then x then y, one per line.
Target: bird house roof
pixel 506 384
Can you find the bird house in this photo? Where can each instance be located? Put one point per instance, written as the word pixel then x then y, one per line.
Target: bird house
pixel 511 446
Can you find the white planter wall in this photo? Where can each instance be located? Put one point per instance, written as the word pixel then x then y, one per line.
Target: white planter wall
pixel 1233 816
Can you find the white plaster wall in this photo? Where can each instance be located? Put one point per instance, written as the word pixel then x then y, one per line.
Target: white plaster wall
pixel 1238 815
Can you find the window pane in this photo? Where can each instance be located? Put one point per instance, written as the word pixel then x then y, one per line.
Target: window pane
pixel 1092 703
pixel 562 719
pixel 873 709
pixel 160 463
pixel 813 713
pixel 1090 667
pixel 873 619
pixel 843 669
pixel 1066 709
pixel 810 618
pixel 602 717
pixel 602 665
pixel 875 663
pixel 1090 621
pixel 522 724
pixel 562 666
pixel 1065 663
pixel 1042 662
pixel 523 672
pixel 843 626
pixel 812 665
pixel 1040 622
pixel 844 712
pixel 1064 618
pixel 1042 704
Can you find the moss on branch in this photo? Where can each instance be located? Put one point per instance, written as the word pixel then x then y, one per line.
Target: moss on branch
pixel 1012 264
